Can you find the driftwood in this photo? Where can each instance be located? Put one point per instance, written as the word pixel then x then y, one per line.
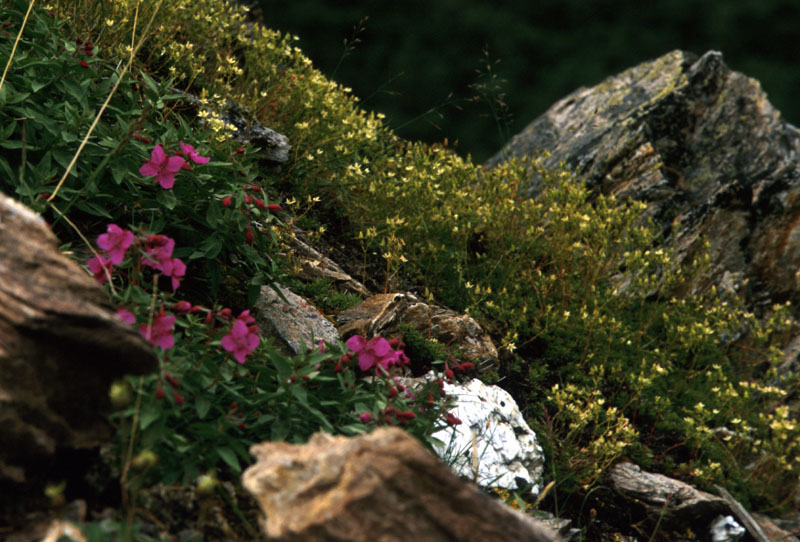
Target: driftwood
pixel 381 487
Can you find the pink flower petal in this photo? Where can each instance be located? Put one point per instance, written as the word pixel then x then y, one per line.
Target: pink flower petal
pixel 174 164
pixel 366 360
pixel 126 316
pixel 157 155
pixel 380 346
pixel 166 180
pixel 356 343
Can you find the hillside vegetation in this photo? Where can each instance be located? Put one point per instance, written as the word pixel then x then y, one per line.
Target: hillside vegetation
pixel 603 355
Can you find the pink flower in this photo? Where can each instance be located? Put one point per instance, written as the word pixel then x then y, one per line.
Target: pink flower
pixel 115 242
pixel 160 333
pixel 366 417
pixel 98 266
pixel 190 153
pixel 126 315
pixel 245 317
pixel 370 352
pixel 240 341
pixel 162 168
pixel 159 249
pixel 175 269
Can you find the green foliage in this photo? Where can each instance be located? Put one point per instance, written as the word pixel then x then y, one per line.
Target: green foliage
pixel 604 355
pixel 324 295
pixel 423 351
pixel 49 101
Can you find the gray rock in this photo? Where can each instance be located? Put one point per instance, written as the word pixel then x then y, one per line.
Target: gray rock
pixel 293 319
pixel 492 436
pixel 704 148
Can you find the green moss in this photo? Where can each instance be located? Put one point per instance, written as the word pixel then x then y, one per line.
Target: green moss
pixel 324 295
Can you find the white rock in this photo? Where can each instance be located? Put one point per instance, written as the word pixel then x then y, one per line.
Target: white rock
pixel 725 529
pixel 493 435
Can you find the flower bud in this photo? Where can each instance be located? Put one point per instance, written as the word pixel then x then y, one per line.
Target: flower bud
pixel 121 394
pixel 182 307
pixel 226 201
pixel 144 460
pixel 178 398
pixel 206 483
pixel 171 379
pixel 274 208
pixel 248 237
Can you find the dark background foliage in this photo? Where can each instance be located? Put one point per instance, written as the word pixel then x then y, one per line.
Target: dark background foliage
pixel 413 54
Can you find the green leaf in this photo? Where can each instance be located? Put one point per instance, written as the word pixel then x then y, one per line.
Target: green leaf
pixel 150 82
pixel 229 457
pixel 8 129
pixel 149 415
pixel 300 394
pixel 279 430
pixel 202 405
pixel 93 209
pixel 211 247
pixel 118 171
pixel 17 98
pixel 227 372
pixel 353 429
pixel 214 213
pixel 167 199
pixel 36 86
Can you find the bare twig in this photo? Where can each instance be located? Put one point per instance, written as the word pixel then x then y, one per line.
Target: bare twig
pixel 742 515
pixel 19 35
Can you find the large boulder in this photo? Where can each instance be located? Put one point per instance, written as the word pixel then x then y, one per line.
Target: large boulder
pixel 61 346
pixel 380 487
pixel 704 148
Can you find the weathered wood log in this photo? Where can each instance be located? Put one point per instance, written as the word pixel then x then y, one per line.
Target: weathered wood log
pixel 381 487
pixel 665 500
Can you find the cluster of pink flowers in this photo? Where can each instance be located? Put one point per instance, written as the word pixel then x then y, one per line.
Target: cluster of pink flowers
pixel 164 168
pixel 157 254
pixel 159 333
pixel 242 338
pixel 376 352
